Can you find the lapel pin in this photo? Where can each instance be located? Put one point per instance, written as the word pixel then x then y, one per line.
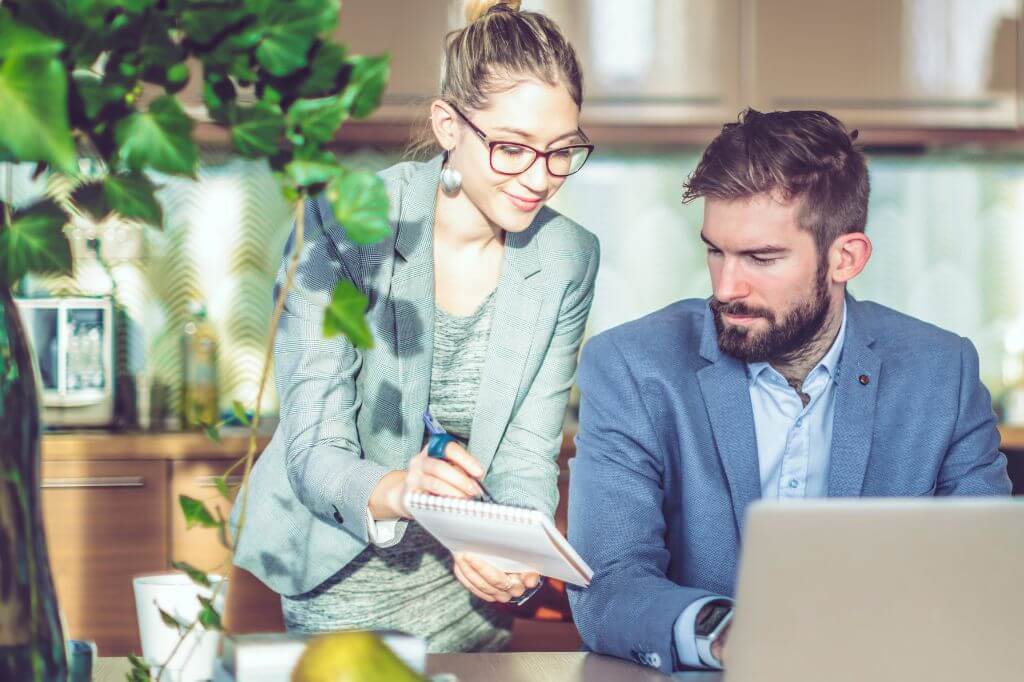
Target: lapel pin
pixel 864 379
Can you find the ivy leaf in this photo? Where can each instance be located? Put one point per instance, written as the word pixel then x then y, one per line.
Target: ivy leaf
pixel 366 84
pixel 91 199
pixel 34 99
pixel 221 483
pixel 212 432
pixel 195 575
pixel 308 173
pixel 140 670
pixel 133 195
pixel 196 513
pixel 24 41
pixel 238 409
pixel 360 203
pixel 160 138
pixel 289 29
pixel 346 315
pixel 324 70
pixel 170 620
pixel 257 129
pixel 318 119
pixel 94 94
pixel 34 242
pixel 208 616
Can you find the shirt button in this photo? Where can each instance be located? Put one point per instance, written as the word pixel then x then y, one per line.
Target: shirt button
pixel 793 483
pixel 800 422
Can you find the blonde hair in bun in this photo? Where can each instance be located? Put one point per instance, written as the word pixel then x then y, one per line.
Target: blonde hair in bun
pixel 474 9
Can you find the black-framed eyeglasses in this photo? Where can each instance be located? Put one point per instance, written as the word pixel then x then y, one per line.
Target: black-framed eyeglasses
pixel 513 158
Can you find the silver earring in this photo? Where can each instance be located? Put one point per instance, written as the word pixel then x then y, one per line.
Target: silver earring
pixel 451 179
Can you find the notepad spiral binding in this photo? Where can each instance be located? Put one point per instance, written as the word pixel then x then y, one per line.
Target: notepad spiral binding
pixel 486 510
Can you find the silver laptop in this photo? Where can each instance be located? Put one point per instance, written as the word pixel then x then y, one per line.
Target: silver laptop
pixel 873 590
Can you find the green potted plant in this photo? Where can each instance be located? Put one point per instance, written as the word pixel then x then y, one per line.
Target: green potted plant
pixel 100 79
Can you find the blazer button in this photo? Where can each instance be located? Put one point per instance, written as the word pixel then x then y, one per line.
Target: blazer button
pixel 337 515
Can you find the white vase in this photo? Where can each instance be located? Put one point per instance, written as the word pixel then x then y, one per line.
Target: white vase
pixel 178 596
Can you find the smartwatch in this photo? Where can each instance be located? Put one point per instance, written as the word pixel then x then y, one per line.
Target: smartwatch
pixel 716 617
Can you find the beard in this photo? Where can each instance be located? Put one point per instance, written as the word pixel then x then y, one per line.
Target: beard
pixel 784 340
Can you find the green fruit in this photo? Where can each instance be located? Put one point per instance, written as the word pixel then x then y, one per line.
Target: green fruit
pixel 355 656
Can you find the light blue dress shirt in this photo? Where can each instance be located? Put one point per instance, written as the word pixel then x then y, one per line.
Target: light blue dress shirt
pixel 793 450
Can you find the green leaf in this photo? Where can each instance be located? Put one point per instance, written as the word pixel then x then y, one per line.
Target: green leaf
pixel 366 84
pixel 257 130
pixel 34 242
pixel 208 616
pixel 24 41
pixel 360 203
pixel 238 409
pixel 160 138
pixel 134 196
pixel 34 102
pixel 196 513
pixel 212 432
pixel 169 620
pixel 221 482
pixel 289 29
pixel 308 173
pixel 346 315
pixel 318 119
pixel 324 70
pixel 94 94
pixel 194 574
pixel 140 670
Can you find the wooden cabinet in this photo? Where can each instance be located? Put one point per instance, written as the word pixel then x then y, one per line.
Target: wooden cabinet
pixel 886 63
pixel 106 522
pixel 654 61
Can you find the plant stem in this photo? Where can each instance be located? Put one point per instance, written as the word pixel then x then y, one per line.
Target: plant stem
pixel 9 194
pixel 293 265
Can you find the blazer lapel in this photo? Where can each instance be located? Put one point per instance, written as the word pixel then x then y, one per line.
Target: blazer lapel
pixel 854 420
pixel 517 306
pixel 412 297
pixel 725 388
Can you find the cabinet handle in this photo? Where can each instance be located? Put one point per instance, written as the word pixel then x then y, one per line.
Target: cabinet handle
pixel 207 481
pixel 95 482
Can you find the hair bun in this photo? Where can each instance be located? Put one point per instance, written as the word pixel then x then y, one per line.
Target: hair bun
pixel 474 9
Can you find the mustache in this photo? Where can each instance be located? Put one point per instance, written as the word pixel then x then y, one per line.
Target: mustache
pixel 739 309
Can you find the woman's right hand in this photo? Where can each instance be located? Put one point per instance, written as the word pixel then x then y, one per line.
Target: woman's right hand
pixel 456 478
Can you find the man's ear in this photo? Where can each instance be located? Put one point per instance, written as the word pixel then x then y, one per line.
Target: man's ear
pixel 444 124
pixel 848 256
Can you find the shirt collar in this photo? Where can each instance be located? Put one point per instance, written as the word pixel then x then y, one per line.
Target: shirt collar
pixel 830 362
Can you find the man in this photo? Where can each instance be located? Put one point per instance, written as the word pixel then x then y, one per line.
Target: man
pixel 779 386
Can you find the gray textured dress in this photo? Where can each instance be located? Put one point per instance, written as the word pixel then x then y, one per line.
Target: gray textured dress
pixel 410 586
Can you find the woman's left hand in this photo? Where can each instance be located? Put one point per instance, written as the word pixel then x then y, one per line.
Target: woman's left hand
pixel 490 583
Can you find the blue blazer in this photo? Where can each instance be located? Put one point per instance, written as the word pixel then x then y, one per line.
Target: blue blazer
pixel 666 455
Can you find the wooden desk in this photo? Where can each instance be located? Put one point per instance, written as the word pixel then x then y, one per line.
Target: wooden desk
pixel 519 667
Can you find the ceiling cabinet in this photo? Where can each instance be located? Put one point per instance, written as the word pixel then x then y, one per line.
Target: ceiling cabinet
pixel 883 64
pixel 921 63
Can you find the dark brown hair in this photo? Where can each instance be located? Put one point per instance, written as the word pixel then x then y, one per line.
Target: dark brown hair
pixel 806 155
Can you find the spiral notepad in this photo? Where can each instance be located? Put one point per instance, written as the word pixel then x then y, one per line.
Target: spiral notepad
pixel 511 538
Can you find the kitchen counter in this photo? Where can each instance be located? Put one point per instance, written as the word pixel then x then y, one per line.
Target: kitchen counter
pixel 93 445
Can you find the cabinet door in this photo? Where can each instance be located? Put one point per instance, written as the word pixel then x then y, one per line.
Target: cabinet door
pixel 106 522
pixel 653 61
pixel 906 63
pixel 413 34
pixel 199 546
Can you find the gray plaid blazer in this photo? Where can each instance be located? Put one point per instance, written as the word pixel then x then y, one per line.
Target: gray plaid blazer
pixel 348 417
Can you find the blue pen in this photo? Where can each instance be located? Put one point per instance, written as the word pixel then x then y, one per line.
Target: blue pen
pixel 438 441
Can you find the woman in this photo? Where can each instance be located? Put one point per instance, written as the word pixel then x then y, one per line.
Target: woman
pixel 477 303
